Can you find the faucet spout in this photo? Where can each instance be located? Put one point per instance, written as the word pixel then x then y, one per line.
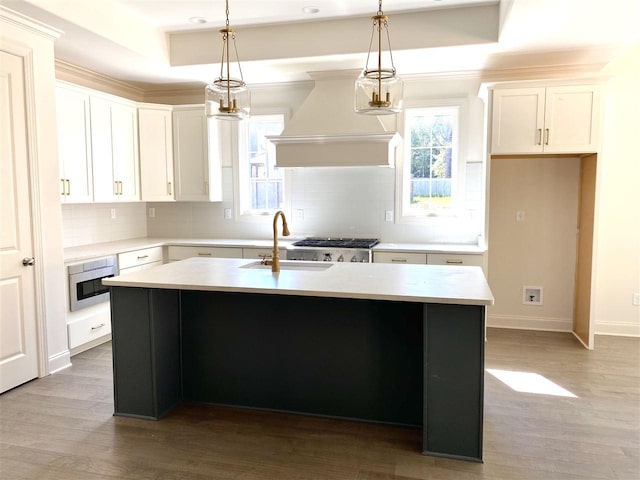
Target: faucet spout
pixel 275 262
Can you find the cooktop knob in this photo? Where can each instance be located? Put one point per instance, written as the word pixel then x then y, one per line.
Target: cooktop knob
pixel 327 257
pixel 341 258
pixel 354 259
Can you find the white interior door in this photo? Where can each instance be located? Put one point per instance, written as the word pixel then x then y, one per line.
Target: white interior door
pixel 18 337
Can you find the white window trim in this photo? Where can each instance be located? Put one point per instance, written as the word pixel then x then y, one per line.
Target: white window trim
pixel 458 166
pixel 241 152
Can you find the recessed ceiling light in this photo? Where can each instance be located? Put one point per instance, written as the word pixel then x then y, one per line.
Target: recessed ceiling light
pixel 310 10
pixel 197 20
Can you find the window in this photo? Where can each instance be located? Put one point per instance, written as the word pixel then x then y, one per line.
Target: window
pixel 430 163
pixel 260 182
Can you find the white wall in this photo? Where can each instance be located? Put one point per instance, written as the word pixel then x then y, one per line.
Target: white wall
pixel 539 251
pixel 617 242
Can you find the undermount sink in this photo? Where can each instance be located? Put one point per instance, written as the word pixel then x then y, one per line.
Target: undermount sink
pixel 292 265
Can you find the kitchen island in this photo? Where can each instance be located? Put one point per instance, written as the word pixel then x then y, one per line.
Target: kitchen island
pixel 400 344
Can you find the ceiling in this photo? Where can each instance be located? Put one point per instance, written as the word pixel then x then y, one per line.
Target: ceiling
pixel 153 42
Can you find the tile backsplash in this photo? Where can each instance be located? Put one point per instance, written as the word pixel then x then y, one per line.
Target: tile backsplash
pixel 345 201
pixel 85 224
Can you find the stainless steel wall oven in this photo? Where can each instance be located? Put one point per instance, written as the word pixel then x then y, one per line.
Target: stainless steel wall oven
pixel 85 282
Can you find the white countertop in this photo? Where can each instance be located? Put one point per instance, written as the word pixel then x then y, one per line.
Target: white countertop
pixel 372 281
pixel 97 250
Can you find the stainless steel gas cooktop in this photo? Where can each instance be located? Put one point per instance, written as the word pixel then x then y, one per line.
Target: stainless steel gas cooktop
pixel 329 249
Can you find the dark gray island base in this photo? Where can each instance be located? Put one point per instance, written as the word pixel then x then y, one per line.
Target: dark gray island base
pixel 407 363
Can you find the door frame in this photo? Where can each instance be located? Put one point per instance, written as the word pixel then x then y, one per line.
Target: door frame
pixel 26 52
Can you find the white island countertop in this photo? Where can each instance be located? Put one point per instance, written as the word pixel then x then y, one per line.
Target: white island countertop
pixel 462 285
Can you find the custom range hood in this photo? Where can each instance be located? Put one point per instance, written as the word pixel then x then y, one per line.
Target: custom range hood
pixel 326 132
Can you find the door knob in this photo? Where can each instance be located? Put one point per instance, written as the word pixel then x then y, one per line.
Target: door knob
pixel 28 261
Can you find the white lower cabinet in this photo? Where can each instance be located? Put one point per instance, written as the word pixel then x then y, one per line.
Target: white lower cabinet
pixel 400 257
pixel 177 252
pixel 431 258
pixel 142 259
pixel 88 327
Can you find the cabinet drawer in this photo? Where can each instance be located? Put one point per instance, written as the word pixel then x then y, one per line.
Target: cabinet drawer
pixel 399 257
pixel 139 257
pixel 89 328
pixel 180 253
pixel 253 252
pixel 455 259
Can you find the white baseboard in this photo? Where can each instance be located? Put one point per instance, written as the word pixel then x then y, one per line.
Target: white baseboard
pixel 522 322
pixel 59 361
pixel 618 329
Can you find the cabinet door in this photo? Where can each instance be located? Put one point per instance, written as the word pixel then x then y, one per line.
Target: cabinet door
pixel 156 154
pixel 104 187
pixel 571 119
pixel 190 145
pixel 74 145
pixel 124 133
pixel 518 120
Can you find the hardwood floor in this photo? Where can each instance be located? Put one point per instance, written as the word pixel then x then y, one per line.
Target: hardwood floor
pixel 61 427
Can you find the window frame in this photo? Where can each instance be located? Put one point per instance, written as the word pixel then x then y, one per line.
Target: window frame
pixel 241 178
pixel 404 214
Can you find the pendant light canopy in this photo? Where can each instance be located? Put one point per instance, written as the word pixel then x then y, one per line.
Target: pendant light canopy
pixel 228 98
pixel 378 90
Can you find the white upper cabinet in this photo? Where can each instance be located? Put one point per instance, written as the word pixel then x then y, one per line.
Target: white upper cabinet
pixel 545 120
pixel 116 171
pixel 74 145
pixel 198 173
pixel 156 153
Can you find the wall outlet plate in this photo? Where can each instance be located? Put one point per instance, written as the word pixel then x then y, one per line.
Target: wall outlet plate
pixel 388 215
pixel 227 214
pixel 532 295
pixel 152 212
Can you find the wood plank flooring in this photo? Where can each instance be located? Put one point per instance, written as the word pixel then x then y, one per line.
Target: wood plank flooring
pixel 61 427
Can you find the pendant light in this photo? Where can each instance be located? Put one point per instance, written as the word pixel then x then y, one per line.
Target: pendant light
pixel 378 91
pixel 227 98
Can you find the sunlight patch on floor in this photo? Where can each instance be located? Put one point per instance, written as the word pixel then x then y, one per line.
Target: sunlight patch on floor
pixel 527 382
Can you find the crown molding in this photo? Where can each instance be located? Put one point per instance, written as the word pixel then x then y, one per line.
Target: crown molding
pixel 11 16
pixel 97 81
pixel 546 72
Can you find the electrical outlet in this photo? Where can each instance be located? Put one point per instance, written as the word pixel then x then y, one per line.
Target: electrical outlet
pixel 227 214
pixel 520 216
pixel 113 214
pixel 388 215
pixel 299 215
pixel 636 299
pixel 152 212
pixel 532 295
